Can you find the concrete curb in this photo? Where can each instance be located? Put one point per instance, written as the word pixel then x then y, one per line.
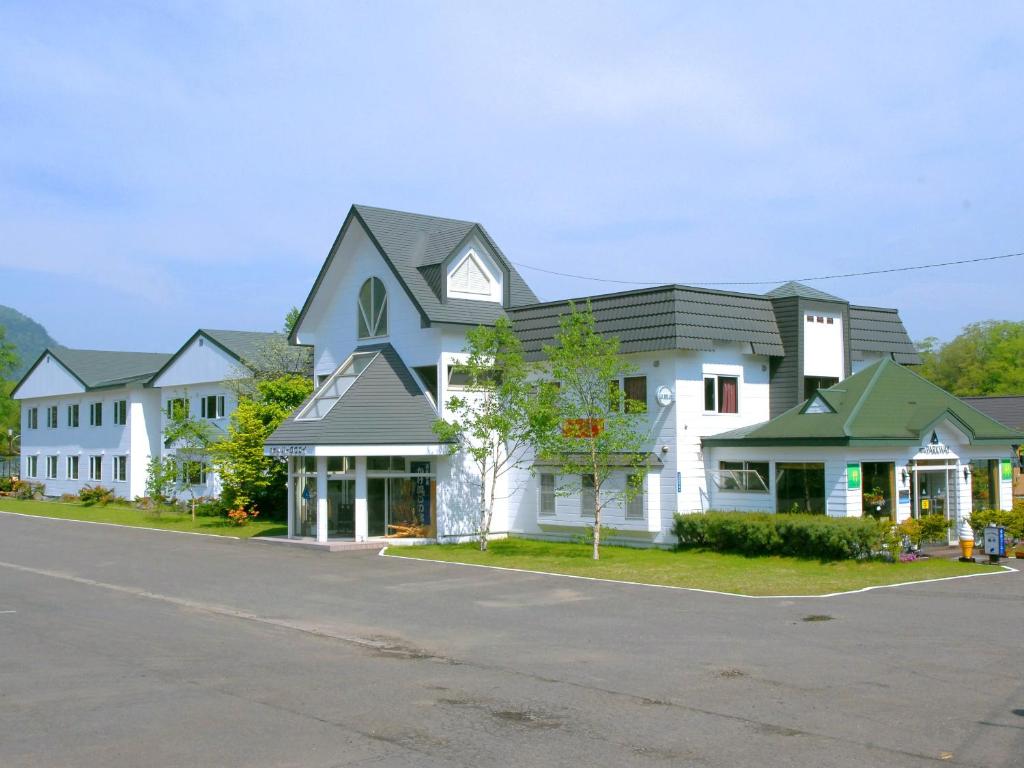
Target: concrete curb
pixel 1005 569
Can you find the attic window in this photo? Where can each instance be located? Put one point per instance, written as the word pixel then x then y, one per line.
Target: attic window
pixel 336 386
pixel 470 277
pixel 373 309
pixel 818 405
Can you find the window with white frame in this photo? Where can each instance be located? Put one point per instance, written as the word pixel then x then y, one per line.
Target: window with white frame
pixel 73 415
pixel 51 417
pixel 51 467
pixel 588 495
pixel 120 469
pixel 743 476
pixel 212 407
pixel 32 418
pixel 635 505
pixel 31 466
pixel 547 495
pixel 96 414
pixel 177 408
pixel 95 467
pixel 120 412
pixel 372 309
pixel 72 467
pixel 721 394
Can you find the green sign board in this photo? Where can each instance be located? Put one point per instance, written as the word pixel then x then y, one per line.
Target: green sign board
pixel 853 477
pixel 1007 468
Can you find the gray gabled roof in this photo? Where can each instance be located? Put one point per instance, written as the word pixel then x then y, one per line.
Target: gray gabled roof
pixel 250 348
pixel 1006 409
pixel 244 346
pixel 793 288
pixel 415 246
pixel 878 330
pixel 102 369
pixel 662 318
pixel 383 406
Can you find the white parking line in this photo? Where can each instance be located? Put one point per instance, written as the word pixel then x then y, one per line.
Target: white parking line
pixel 1005 569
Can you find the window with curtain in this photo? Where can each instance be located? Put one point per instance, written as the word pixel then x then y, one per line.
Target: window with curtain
pixel 721 394
pixel 372 312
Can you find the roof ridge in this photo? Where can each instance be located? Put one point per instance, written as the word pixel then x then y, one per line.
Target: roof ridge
pixel 868 388
pixel 365 207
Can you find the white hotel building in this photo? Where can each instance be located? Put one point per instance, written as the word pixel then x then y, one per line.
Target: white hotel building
pixel 387 317
pixel 93 417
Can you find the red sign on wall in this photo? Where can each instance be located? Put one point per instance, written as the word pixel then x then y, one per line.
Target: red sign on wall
pixel 582 428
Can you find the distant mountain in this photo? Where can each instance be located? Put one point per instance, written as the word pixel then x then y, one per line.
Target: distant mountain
pixel 28 337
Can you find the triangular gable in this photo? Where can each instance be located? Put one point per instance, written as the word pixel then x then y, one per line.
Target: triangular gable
pixel 47 377
pixel 201 359
pixel 817 404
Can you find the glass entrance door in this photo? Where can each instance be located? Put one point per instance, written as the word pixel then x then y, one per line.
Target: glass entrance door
pixel 341 508
pixel 376 506
pixel 935 494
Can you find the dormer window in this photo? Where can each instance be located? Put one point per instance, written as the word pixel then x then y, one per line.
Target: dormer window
pixel 373 309
pixel 473 274
pixel 470 277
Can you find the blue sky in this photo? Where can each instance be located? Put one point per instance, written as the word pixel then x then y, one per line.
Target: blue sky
pixel 166 167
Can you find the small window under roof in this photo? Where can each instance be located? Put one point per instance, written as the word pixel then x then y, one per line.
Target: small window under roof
pixel 336 386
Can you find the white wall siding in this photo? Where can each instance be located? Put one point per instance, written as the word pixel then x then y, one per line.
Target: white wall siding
pixel 201 361
pixel 694 423
pixel 107 441
pixel 48 379
pixel 330 326
pixel 823 344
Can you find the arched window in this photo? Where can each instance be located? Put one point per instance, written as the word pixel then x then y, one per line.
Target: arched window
pixel 373 309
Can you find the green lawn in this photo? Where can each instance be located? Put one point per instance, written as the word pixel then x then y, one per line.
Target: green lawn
pixel 137 517
pixel 697 569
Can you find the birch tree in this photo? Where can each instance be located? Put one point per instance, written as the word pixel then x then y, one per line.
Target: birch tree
pixel 495 420
pixel 599 431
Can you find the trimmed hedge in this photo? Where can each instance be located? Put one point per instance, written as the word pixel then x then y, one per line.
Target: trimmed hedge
pixel 754 533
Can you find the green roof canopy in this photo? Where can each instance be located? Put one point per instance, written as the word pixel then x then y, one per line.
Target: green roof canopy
pixel 884 404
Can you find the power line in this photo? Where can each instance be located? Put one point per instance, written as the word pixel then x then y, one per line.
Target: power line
pixel 775 282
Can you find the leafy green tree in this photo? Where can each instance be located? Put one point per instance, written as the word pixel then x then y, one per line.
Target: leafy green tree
pixel 191 439
pixel 291 319
pixel 494 420
pixel 161 478
pixel 987 358
pixel 248 478
pixel 9 412
pixel 598 432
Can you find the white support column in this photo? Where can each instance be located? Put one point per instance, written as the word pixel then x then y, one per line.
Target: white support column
pixel 290 463
pixel 362 517
pixel 321 499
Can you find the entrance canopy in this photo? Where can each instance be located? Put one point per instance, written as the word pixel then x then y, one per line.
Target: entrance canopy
pixel 371 406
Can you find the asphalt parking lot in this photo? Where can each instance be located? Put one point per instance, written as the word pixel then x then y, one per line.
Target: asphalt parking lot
pixel 123 647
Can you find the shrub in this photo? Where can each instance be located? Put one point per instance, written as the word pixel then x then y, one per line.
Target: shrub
pixel 934 527
pixel 241 515
pixel 96 494
pixel 1012 520
pixel 69 498
pixel 794 535
pixel 6 484
pixel 25 489
pixel 210 507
